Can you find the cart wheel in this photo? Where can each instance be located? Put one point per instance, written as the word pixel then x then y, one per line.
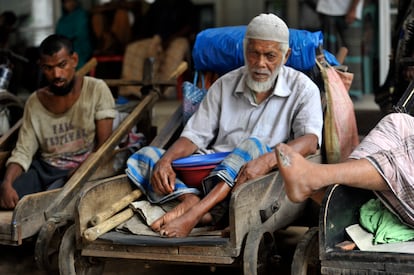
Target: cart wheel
pixel 259 253
pixel 70 260
pixel 47 245
pixel 306 257
pixel 266 259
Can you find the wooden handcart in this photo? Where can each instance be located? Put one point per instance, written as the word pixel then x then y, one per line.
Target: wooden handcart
pixel 45 215
pixel 258 209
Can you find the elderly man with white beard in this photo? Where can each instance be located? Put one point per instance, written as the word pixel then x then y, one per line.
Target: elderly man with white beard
pixel 246 112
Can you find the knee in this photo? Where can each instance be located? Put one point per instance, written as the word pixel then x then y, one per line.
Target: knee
pixel 148 153
pixel 253 142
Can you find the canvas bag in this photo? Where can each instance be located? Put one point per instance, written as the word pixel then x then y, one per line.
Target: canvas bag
pixel 340 132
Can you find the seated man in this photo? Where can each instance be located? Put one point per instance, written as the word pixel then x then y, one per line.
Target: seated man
pixel 383 162
pixel 63 123
pixel 246 112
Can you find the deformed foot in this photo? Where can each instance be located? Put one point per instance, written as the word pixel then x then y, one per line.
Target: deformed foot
pixel 298 173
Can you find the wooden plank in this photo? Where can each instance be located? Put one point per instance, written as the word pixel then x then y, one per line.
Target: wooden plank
pixel 167 254
pixel 8 139
pixel 245 205
pixel 28 212
pixel 98 197
pixel 6 216
pixel 116 207
pixel 90 65
pixel 133 82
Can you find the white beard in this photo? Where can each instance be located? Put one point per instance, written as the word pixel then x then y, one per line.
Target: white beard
pixel 262 86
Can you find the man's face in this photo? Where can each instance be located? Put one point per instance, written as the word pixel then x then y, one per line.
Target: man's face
pixel 59 70
pixel 264 60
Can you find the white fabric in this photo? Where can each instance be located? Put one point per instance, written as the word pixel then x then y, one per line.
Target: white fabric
pixel 4 120
pixel 268 27
pixel 338 8
pixel 228 111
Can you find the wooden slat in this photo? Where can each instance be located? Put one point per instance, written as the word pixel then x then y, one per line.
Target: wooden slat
pixel 6 138
pixel 165 253
pixel 6 216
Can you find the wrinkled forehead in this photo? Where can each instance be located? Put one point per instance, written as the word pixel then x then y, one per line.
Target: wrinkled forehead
pixel 61 55
pixel 253 43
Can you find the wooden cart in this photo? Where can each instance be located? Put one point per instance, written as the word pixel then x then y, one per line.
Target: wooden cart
pixel 45 215
pixel 319 249
pixel 257 209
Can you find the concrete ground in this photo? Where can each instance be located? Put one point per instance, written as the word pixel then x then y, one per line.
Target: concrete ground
pixel 19 260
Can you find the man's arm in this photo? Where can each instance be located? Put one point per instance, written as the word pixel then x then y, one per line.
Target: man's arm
pixel 8 195
pixel 103 131
pixel 351 14
pixel 304 145
pixel 163 176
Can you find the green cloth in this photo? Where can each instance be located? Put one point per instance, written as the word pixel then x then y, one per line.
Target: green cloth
pixel 383 224
pixel 76 27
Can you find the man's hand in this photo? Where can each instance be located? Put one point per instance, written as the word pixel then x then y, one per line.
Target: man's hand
pixel 163 178
pixel 253 169
pixel 8 197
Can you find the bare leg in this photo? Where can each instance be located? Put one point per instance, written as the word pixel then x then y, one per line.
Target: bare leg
pixel 182 225
pixel 302 178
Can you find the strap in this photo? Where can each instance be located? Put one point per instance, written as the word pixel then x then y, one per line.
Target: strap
pixel 203 86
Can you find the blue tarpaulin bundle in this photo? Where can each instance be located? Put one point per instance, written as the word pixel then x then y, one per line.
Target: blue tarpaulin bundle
pixel 221 49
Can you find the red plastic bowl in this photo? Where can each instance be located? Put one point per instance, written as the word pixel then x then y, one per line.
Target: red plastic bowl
pixel 193 176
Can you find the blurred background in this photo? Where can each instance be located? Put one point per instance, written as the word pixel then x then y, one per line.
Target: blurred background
pixel 115 24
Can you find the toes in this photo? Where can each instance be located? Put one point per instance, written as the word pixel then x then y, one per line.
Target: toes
pixel 163 233
pixel 282 157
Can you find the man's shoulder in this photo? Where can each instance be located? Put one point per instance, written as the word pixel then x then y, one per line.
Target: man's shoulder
pixel 93 83
pixel 33 97
pixel 91 79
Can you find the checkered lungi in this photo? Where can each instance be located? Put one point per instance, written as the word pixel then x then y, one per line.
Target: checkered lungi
pixel 140 166
pixel 390 149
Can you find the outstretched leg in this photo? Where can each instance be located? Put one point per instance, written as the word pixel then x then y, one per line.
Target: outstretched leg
pixel 302 177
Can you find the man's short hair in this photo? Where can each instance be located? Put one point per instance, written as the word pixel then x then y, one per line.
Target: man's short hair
pixel 54 43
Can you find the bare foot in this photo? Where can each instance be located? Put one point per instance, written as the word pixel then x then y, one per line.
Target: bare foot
pixel 188 200
pixel 181 226
pixel 297 173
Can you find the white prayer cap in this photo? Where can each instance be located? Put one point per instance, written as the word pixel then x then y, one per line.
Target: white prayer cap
pixel 268 27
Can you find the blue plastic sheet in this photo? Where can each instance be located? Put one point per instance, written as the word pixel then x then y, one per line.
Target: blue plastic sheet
pixel 221 49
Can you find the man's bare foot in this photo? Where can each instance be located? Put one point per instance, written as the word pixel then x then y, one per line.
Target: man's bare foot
pixel 188 201
pixel 182 225
pixel 297 172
